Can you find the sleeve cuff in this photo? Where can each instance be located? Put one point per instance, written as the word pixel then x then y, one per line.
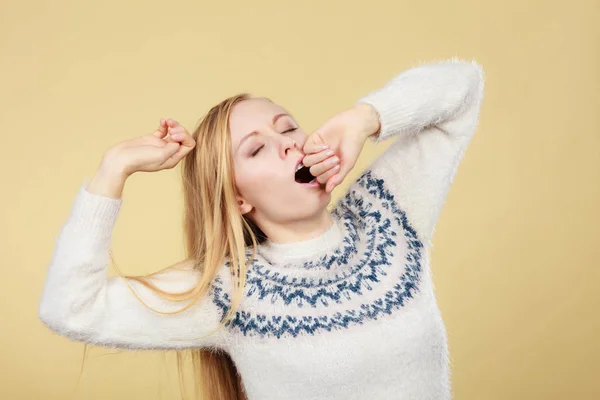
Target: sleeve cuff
pixel 94 216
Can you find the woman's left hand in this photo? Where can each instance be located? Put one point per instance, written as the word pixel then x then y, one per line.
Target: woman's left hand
pixel 346 134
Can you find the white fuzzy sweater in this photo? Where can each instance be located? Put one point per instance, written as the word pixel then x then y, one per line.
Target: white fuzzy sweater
pixel 348 315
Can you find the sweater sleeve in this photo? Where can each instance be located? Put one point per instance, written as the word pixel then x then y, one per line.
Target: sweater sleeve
pixel 432 111
pixel 81 302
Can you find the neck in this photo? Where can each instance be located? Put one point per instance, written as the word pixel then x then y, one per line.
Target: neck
pixel 305 241
pixel 298 230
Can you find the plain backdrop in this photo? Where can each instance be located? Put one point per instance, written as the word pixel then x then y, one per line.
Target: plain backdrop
pixel 516 248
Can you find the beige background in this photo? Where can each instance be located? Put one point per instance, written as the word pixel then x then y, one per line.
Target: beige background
pixel 517 244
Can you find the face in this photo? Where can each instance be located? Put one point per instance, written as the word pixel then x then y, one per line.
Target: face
pixel 265 159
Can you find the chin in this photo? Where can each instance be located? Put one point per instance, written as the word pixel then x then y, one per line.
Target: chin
pixel 310 203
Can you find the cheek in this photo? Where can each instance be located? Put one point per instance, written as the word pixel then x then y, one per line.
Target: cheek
pixel 251 180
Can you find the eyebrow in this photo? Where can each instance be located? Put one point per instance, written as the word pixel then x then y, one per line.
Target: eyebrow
pixel 275 118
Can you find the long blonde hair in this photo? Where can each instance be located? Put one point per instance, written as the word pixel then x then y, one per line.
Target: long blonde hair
pixel 215 230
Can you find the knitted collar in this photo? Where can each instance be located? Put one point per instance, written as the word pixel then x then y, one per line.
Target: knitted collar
pixel 305 250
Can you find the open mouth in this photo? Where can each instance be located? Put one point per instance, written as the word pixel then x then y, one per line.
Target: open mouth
pixel 303 174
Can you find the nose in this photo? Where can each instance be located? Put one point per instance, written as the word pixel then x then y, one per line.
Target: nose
pixel 289 145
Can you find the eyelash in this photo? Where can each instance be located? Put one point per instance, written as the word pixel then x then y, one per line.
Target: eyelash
pixel 255 152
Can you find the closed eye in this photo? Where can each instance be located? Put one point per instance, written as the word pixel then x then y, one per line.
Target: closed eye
pixel 255 152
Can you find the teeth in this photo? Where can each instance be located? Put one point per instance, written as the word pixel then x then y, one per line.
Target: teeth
pixel 299 167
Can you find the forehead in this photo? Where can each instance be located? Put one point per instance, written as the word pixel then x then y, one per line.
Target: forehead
pixel 252 114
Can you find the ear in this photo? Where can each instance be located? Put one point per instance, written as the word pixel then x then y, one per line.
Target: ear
pixel 245 207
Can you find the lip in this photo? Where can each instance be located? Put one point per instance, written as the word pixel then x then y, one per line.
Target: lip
pixel 315 184
pixel 298 163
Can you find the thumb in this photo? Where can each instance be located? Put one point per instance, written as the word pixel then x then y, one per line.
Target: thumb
pixel 314 143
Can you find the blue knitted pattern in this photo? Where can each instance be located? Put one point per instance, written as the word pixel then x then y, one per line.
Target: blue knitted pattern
pixel 359 211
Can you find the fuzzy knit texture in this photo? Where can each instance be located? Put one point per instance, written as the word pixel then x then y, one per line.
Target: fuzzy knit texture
pixel 348 315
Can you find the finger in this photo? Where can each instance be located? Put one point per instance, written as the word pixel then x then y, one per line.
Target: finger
pixel 174 159
pixel 162 130
pixel 171 126
pixel 172 123
pixel 325 176
pixel 336 179
pixel 314 143
pixel 332 183
pixel 183 138
pixel 311 159
pixel 320 168
pixel 177 129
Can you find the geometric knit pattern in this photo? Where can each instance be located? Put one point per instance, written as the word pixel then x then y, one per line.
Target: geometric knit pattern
pixel 361 218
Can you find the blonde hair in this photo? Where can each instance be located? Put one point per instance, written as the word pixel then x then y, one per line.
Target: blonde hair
pixel 215 230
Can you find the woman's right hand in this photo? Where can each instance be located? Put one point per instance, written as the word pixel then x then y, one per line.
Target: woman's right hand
pixel 162 149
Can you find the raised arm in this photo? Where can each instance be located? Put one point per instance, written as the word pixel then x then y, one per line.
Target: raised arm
pixel 433 111
pixel 81 302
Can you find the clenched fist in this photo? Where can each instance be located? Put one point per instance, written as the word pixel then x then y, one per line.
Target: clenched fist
pixel 162 149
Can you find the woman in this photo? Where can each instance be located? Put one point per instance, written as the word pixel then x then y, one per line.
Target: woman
pixel 332 304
